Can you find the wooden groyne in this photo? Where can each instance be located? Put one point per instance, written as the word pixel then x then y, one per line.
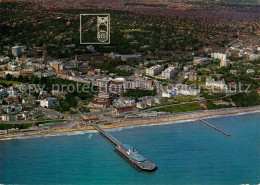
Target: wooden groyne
pixel 212 126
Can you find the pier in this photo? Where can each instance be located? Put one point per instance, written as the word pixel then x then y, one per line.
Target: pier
pixel 127 152
pixel 106 134
pixel 212 126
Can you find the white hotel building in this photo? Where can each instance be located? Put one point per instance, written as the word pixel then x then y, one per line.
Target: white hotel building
pixel 169 73
pixel 48 102
pixel 215 83
pixel 154 70
pixel 220 56
pixel 188 91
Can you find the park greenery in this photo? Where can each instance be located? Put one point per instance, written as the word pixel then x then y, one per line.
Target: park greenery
pixel 110 67
pixel 207 95
pixel 246 99
pixel 10 126
pixel 138 93
pixel 210 105
pixel 181 108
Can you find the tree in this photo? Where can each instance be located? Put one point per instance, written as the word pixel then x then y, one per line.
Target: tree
pixel 4 102
pixel 26 79
pixel 34 80
pixel 245 100
pixel 56 107
pixel 20 78
pixel 8 77
pixel 210 105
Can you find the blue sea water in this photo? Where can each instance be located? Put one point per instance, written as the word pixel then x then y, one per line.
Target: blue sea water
pixel 186 153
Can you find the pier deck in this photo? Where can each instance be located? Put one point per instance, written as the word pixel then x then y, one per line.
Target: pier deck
pixel 212 126
pixel 106 134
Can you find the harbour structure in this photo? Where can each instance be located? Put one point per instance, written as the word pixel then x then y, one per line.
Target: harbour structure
pixel 127 152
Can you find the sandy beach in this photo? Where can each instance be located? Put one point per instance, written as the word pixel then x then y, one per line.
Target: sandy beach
pixel 136 122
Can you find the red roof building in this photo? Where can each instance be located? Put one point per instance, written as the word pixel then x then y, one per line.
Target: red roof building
pixel 13 99
pixel 116 87
pixel 232 84
pixel 122 110
pixel 91 72
pixel 26 73
pixel 91 120
pixel 101 103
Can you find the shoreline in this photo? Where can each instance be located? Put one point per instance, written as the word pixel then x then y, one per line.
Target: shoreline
pixel 184 116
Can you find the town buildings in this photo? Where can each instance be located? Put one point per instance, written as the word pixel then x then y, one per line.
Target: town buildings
pixel 17 51
pixel 48 102
pixel 122 110
pixel 250 71
pixel 129 57
pixel 5 59
pixel 169 73
pixel 224 63
pixel 3 92
pixel 154 70
pixel 167 94
pixel 9 117
pixel 220 56
pixel 210 82
pixel 200 60
pixel 188 91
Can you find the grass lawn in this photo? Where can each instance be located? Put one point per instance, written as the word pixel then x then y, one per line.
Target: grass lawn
pixel 185 98
pixel 12 82
pixel 181 108
pixel 178 100
pixel 41 118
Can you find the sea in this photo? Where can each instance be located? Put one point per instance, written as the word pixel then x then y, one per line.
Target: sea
pixel 186 152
